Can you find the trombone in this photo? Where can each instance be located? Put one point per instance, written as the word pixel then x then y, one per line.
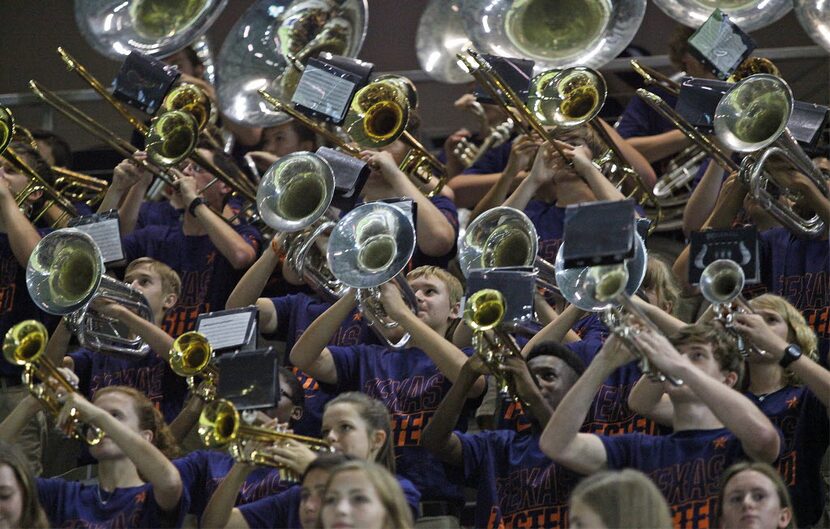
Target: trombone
pixel 220 426
pixel 484 313
pixel 25 345
pixel 192 355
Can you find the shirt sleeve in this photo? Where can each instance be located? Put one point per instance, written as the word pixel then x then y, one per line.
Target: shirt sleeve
pixel 619 449
pixel 283 306
pixel 270 511
pixel 411 494
pixel 478 449
pixel 52 495
pixel 492 161
pixel 194 473
pixel 82 359
pixel 251 235
pixel 347 363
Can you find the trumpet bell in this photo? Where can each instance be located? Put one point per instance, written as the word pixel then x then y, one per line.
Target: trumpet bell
pixel 218 423
pixel 172 138
pixel 721 281
pixel 6 128
pixel 484 310
pixel 191 354
pixel 153 27
pixel 554 34
pixel 64 271
pixel 567 98
pixel 371 245
pixel 498 238
pixel 593 288
pixel 753 113
pixel 25 342
pixel 295 191
pixel 253 55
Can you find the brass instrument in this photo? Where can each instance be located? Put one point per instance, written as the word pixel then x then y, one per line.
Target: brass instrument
pixel 65 274
pixel 652 77
pixel 752 117
pixel 294 196
pixel 469 153
pixel 192 355
pixel 25 345
pixel 814 17
pixel 484 313
pixel 721 283
pixel 749 15
pixel 369 246
pixel 220 426
pixel 79 187
pixel 439 37
pixel 503 237
pixel 6 127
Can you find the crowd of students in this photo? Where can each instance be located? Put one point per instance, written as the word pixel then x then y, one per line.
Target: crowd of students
pixel 588 442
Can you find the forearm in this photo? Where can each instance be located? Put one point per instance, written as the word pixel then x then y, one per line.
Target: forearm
pixel 23 237
pixel 647 399
pixel 664 321
pixel 522 195
pixel 19 417
pixel 58 344
pixel 187 418
pixel 471 189
pixel 316 337
pixel 632 156
pixel 660 146
pixel 253 282
pixel 229 243
pixel 158 340
pixel 130 208
pixel 497 193
pixel 703 198
pixel 815 377
pixel 601 187
pixel 218 510
pixel 436 235
pixel 438 436
pixel 112 198
pixel 557 330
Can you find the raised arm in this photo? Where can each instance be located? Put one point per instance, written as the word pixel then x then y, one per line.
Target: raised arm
pixel 649 399
pixel 559 330
pixel 220 510
pixel 703 199
pixel 632 156
pixel 249 288
pixel 158 340
pixel 23 237
pixel 522 152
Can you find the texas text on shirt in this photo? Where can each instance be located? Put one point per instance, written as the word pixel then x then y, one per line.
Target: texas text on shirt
pixel 411 387
pixel 207 277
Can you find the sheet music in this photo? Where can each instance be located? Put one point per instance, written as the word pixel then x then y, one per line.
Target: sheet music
pixel 227 330
pixel 323 92
pixel 107 235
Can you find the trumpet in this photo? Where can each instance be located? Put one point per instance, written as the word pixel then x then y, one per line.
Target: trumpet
pixel 721 283
pixel 483 313
pixel 220 426
pixel 192 355
pixel 25 345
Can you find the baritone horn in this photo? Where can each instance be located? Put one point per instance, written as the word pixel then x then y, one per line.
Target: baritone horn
pixel 25 345
pixel 192 356
pixel 484 313
pixel 220 426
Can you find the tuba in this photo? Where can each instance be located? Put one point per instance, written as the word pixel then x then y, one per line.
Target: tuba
pixel 368 247
pixel 814 17
pixel 294 196
pixel 504 237
pixel 220 426
pixel 192 355
pixel 439 37
pixel 25 345
pixel 749 15
pixel 65 274
pixel 721 283
pixel 483 313
pixel 752 117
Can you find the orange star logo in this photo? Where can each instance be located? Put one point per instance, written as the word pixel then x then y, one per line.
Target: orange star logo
pixel 357 316
pixel 211 257
pixel 720 442
pixel 792 402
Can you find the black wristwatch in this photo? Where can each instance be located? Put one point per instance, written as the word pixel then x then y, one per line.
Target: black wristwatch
pixel 791 353
pixel 194 204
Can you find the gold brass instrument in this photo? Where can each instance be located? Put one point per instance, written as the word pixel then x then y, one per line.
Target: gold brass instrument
pixel 294 196
pixel 25 345
pixel 369 246
pixel 192 355
pixel 652 77
pixel 220 426
pixel 468 152
pixel 79 187
pixel 6 127
pixel 65 274
pixel 503 237
pixel 484 313
pixel 721 283
pixel 752 117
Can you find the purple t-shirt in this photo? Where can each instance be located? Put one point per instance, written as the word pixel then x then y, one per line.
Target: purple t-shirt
pixel 151 375
pixel 71 504
pixel 802 419
pixel 686 466
pixel 799 270
pixel 639 119
pixel 450 212
pixel 549 221
pixel 518 485
pixel 203 471
pixel 207 277
pixel 283 510
pixel 412 387
pixel 158 213
pixel 492 161
pixel 295 312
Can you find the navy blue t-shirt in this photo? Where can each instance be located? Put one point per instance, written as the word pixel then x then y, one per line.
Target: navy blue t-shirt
pixel 207 277
pixel 686 466
pixel 71 504
pixel 203 471
pixel 157 213
pixel 802 419
pixel 549 221
pixel 492 161
pixel 518 486
pixel 411 387
pixel 639 119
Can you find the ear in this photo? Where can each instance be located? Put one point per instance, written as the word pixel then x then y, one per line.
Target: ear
pixel 455 311
pixel 785 517
pixel 169 301
pixel 296 413
pixel 730 379
pixel 147 434
pixel 377 439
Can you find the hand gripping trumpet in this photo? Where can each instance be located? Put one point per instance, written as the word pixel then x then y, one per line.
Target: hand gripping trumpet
pixel 25 345
pixel 221 426
pixel 721 283
pixel 484 314
pixel 192 356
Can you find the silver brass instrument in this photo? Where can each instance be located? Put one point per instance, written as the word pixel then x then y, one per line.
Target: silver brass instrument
pixel 752 117
pixel 368 247
pixel 484 314
pixel 192 355
pixel 502 237
pixel 114 28
pixel 65 274
pixel 294 196
pixel 254 56
pixel 749 15
pixel 440 36
pixel 721 284
pixel 220 426
pixel 25 345
pixel 554 34
pixel 469 153
pixel 814 16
